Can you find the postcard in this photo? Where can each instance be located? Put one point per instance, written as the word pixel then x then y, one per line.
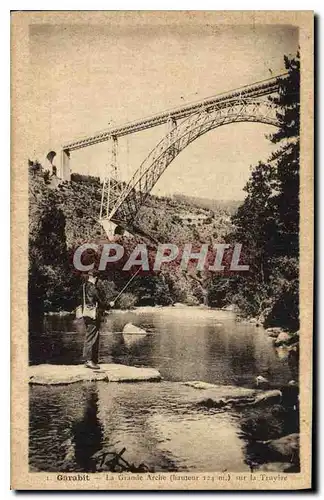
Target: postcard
pixel 162 250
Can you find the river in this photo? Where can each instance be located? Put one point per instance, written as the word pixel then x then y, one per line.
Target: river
pixel 159 424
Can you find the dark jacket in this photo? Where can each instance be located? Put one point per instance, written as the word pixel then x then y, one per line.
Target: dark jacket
pixel 91 294
pixel 93 297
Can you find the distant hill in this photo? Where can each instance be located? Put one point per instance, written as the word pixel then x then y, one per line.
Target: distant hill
pixel 229 206
pixel 164 218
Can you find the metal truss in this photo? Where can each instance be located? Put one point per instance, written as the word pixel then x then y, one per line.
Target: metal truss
pixel 121 202
pixel 258 89
pixel 112 186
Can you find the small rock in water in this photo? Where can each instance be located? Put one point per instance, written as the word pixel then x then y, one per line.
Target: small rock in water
pixel 268 397
pixel 210 403
pixel 199 384
pixel 261 381
pixel 272 334
pixel 274 331
pixel 129 328
pixel 282 338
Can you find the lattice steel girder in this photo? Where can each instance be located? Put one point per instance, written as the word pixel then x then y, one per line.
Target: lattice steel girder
pixel 237 110
pixel 111 189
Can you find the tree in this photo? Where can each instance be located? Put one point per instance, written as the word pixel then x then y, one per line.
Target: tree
pixel 267 223
pixel 51 285
pixel 286 201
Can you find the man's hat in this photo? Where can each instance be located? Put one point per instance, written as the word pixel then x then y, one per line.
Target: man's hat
pixel 93 272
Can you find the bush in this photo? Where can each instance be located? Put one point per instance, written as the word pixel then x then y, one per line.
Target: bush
pixel 283 306
pixel 126 301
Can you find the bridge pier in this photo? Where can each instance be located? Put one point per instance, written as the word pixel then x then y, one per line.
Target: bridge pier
pixel 65 166
pixel 111 229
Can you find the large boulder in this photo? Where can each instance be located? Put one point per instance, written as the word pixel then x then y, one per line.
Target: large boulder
pixel 286 447
pixel 290 395
pixel 287 339
pixel 131 329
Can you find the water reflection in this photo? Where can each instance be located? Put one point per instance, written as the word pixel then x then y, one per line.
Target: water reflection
pixel 87 433
pixel 160 425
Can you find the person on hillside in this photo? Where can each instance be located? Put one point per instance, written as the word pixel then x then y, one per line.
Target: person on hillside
pixel 93 309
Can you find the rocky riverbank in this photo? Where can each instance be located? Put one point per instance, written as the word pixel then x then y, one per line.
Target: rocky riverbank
pixel 286 343
pixel 273 433
pixel 287 347
pixel 269 422
pixel 276 433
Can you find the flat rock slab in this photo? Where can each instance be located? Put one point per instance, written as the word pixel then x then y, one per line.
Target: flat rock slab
pixel 68 374
pixel 220 390
pixel 217 393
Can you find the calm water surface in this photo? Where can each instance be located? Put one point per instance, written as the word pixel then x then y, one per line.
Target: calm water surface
pixel 160 424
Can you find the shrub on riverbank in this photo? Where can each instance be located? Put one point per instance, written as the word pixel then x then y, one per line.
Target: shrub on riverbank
pixel 126 301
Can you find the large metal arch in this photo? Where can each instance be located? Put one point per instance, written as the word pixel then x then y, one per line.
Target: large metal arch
pixel 131 197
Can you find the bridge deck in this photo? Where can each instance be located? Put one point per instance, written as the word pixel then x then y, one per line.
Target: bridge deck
pixel 258 89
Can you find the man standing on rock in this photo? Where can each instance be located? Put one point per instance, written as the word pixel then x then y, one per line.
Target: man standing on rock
pixel 93 309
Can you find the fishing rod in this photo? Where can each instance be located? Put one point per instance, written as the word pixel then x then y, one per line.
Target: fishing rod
pixel 102 334
pixel 126 286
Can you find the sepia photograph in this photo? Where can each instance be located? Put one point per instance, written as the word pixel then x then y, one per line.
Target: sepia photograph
pixel 165 204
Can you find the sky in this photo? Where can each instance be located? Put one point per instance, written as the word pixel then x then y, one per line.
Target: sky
pixel 89 77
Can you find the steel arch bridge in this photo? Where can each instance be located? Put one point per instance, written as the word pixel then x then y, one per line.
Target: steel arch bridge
pixel 121 202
